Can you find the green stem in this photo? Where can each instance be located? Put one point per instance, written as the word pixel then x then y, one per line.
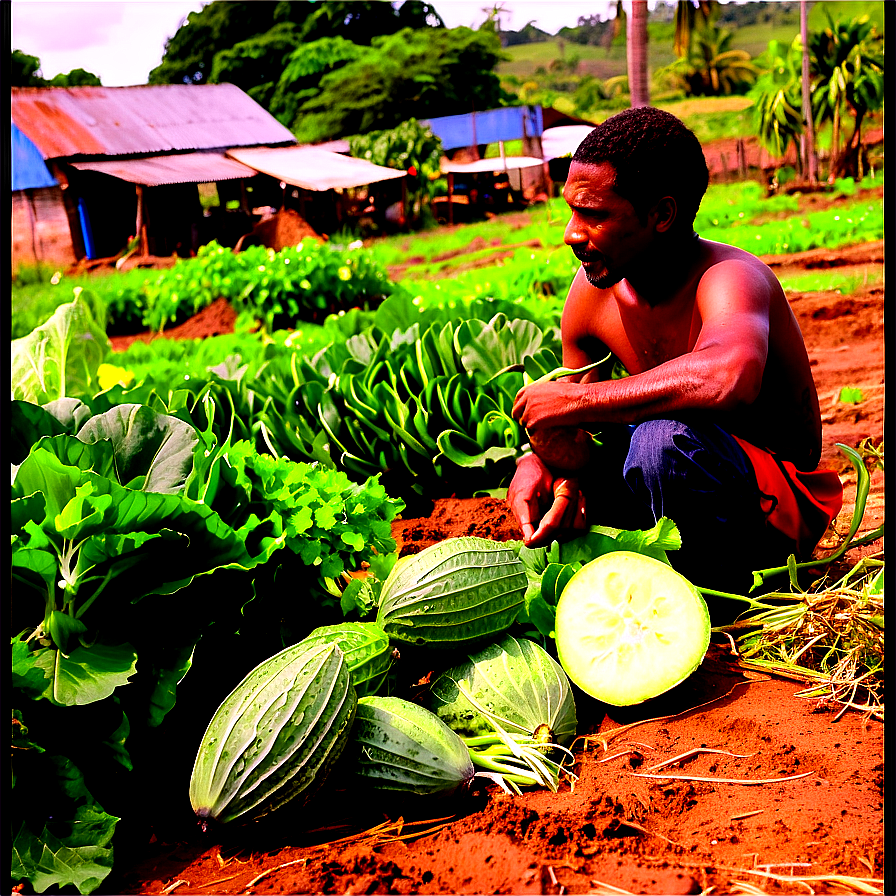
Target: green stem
pixel 488 740
pixel 814 564
pixel 507 772
pixel 95 594
pixel 557 372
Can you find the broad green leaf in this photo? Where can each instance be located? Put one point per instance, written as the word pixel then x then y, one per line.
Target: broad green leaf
pixel 63 628
pixel 87 674
pixel 26 675
pixel 84 515
pixel 170 665
pixel 488 348
pixel 156 446
pixel 31 508
pixel 465 452
pixel 60 357
pixel 71 413
pixel 45 861
pixel 537 611
pixel 91 826
pixel 27 423
pixel 42 471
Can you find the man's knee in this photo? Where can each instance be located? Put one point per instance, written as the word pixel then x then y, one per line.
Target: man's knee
pixel 654 446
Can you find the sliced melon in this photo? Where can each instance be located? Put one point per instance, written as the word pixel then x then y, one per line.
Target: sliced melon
pixel 629 628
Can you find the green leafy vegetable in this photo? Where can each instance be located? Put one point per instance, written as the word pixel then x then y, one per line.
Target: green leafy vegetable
pixel 59 358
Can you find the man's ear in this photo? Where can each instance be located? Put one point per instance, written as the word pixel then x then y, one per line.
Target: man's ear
pixel 665 212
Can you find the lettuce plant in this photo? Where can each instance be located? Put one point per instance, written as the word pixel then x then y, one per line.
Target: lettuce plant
pixel 137 532
pixel 60 357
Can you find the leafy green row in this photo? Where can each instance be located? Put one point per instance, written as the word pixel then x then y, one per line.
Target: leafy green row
pixel 860 222
pixel 303 282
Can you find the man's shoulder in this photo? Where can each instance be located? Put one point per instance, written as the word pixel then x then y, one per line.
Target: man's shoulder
pixel 719 253
pixel 722 262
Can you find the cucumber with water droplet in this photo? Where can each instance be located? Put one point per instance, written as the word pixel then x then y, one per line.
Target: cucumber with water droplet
pixel 456 593
pixel 276 735
pixel 514 681
pixel 367 651
pixel 402 747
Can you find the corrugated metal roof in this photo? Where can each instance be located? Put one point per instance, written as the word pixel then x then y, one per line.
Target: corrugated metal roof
pixel 508 163
pixel 312 168
pixel 188 168
pixel 118 121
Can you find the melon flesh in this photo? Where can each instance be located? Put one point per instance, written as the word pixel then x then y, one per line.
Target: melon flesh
pixel 629 628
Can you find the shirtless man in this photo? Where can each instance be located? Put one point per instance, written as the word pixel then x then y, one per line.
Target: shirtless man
pixel 717 426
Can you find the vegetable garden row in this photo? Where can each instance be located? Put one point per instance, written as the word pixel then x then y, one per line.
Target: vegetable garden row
pixel 180 504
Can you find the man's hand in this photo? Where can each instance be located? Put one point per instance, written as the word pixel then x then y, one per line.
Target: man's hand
pixel 549 404
pixel 535 488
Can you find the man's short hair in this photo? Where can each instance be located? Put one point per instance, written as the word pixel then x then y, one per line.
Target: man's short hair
pixel 654 155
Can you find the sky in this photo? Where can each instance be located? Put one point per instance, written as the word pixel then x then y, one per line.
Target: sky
pixel 121 42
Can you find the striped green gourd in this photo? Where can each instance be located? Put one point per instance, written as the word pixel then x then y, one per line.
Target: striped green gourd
pixel 401 747
pixel 517 681
pixel 276 735
pixel 452 594
pixel 367 650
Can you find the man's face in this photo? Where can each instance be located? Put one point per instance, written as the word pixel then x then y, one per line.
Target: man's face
pixel 604 231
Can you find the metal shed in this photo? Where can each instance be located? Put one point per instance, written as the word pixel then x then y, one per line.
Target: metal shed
pixel 128 160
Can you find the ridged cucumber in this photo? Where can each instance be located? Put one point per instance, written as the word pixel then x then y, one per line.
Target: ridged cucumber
pixel 275 736
pixel 516 680
pixel 402 747
pixel 455 593
pixel 367 651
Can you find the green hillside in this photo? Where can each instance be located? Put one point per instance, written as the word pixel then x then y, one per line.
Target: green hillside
pixel 603 64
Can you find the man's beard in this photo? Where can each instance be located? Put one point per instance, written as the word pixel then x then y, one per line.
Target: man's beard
pixel 605 280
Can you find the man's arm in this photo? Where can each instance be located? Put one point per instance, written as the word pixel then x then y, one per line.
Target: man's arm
pixel 721 372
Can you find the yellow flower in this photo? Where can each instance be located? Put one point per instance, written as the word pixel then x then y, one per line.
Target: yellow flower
pixel 108 375
pixel 344 273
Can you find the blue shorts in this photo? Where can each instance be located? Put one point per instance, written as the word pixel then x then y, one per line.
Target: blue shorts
pixel 698 476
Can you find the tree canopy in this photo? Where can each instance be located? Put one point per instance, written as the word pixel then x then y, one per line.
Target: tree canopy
pixel 219 27
pixel 24 71
pixel 330 69
pixel 411 74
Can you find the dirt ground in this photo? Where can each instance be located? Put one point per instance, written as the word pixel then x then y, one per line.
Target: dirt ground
pixel 797 795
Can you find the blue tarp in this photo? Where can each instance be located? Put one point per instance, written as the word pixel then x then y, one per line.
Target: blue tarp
pixel 493 126
pixel 29 171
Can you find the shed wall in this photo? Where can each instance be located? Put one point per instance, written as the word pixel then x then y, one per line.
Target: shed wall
pixel 40 229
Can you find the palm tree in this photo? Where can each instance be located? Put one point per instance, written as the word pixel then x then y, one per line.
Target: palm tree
pixel 776 99
pixel 849 71
pixel 691 16
pixel 636 54
pixel 711 67
pixel 808 156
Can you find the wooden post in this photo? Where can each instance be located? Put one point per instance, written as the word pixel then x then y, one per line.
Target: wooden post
pixel 138 224
pixel 70 204
pixel 450 194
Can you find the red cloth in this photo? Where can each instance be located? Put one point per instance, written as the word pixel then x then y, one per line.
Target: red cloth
pixel 799 504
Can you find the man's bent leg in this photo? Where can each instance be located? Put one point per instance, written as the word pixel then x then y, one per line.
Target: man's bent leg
pixel 698 476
